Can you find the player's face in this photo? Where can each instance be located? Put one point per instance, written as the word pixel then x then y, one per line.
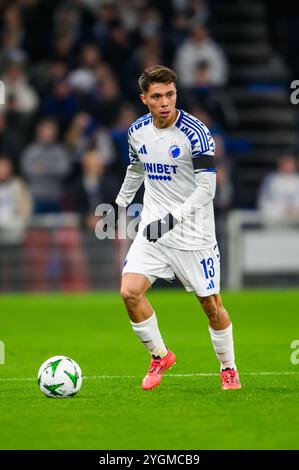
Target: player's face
pixel 161 100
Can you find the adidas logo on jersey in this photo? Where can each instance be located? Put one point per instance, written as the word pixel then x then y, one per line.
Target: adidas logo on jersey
pixel 211 285
pixel 142 150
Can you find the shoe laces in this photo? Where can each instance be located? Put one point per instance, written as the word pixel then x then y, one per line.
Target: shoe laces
pixel 155 363
pixel 229 376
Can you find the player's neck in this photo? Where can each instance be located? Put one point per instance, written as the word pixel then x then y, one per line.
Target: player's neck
pixel 164 123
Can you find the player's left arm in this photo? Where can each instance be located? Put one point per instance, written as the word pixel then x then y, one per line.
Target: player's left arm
pixel 203 194
pixel 203 161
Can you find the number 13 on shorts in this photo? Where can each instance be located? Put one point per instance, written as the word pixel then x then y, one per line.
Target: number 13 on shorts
pixel 211 269
pixel 208 267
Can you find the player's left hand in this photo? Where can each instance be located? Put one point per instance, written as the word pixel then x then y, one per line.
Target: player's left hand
pixel 158 228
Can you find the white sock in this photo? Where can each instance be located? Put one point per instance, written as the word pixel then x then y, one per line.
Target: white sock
pixel 223 344
pixel 149 334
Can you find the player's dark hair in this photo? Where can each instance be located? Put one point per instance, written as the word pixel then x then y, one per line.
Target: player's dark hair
pixel 156 74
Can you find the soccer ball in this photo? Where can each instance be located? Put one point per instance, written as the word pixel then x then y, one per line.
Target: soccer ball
pixel 59 377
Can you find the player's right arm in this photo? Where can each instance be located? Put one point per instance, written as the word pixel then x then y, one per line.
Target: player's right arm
pixel 133 179
pixel 132 182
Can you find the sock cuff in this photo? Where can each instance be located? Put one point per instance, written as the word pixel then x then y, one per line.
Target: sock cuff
pixel 221 332
pixel 144 322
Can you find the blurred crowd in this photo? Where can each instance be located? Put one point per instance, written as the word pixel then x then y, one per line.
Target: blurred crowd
pixel 70 69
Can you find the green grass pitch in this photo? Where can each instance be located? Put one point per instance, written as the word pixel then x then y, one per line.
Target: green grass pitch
pixel 187 411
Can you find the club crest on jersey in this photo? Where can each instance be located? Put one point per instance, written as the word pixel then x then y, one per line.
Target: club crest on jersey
pixel 174 151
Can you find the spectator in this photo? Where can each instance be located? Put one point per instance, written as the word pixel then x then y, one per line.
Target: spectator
pixel 11 140
pixel 116 49
pixel 61 105
pixel 94 186
pixel 45 163
pixel 109 100
pixel 129 13
pixel 176 34
pixel 77 137
pixel 278 197
pixel 63 47
pixel 73 16
pixel 15 210
pixel 200 48
pixel 119 134
pixel 213 98
pixel 15 203
pixel 106 15
pixel 151 23
pixel 84 133
pixel 47 75
pixel 90 57
pixel 13 31
pixel 83 78
pixel 21 97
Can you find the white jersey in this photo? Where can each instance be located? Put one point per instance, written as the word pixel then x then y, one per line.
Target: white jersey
pixel 176 164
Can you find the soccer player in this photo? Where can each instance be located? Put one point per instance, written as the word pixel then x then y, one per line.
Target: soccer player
pixel 172 152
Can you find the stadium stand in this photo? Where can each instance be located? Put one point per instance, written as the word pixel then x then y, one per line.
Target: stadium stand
pixel 76 62
pixel 260 87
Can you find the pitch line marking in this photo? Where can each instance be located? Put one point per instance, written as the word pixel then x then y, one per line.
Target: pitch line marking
pixel 98 377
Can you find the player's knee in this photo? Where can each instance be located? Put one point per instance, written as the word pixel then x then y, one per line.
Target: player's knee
pixel 130 294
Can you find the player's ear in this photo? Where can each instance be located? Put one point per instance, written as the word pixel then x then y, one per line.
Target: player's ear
pixel 143 99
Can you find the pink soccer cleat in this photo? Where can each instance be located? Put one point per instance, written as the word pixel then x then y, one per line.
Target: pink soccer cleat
pixel 230 379
pixel 157 368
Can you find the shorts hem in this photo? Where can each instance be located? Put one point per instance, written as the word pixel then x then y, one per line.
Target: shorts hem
pixel 202 294
pixel 151 279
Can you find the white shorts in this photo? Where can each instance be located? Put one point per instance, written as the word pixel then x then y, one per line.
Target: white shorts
pixel 198 270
